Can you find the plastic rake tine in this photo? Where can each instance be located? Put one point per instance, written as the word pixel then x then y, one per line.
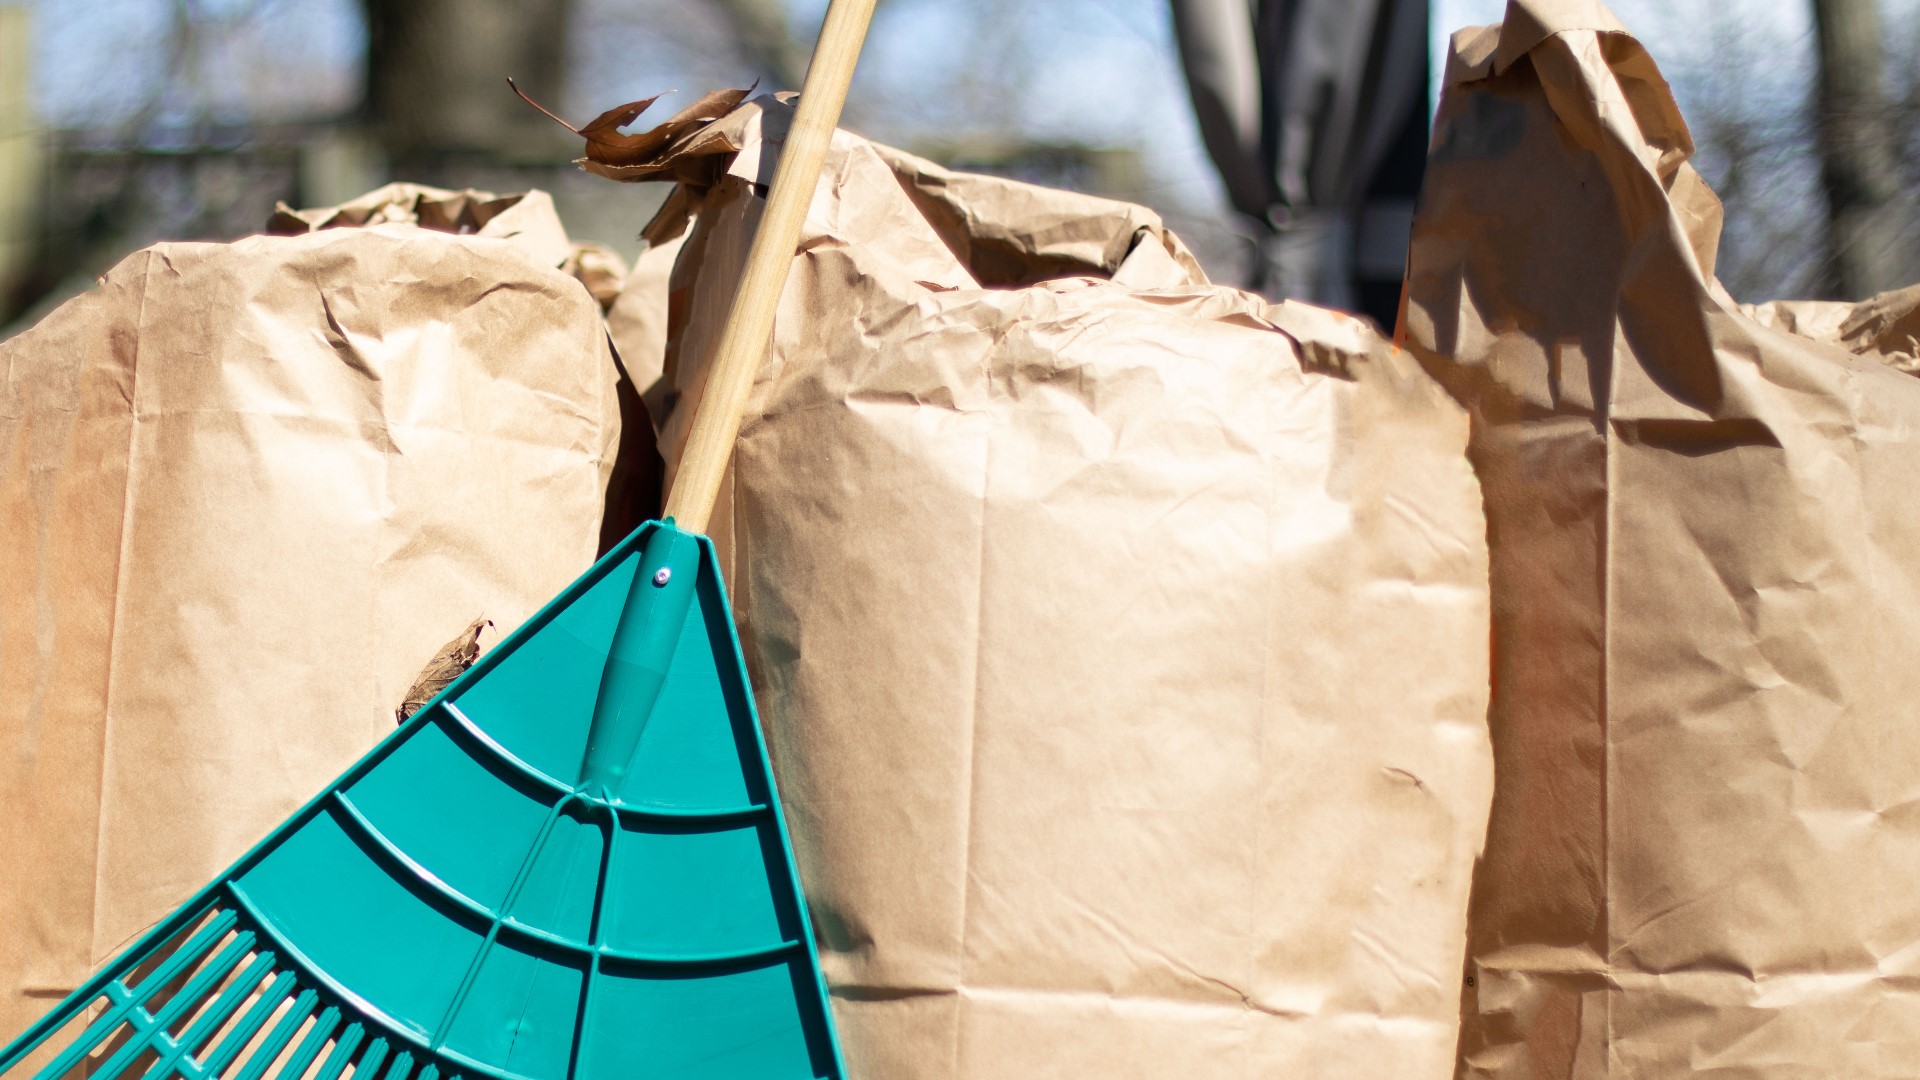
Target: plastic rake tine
pixel 216 1014
pixel 250 1024
pixel 276 1041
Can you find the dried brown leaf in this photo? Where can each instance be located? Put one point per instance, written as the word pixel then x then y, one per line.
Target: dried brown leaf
pixel 605 128
pixel 608 145
pixel 453 659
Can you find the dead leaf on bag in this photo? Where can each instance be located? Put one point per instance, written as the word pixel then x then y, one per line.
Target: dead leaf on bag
pixel 452 661
pixel 608 145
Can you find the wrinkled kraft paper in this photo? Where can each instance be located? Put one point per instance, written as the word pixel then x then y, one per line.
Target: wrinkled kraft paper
pixel 527 218
pixel 634 304
pixel 637 323
pixel 1884 327
pixel 246 490
pixel 1121 638
pixel 1702 854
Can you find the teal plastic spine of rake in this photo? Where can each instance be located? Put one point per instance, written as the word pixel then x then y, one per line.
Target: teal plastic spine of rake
pixel 570 865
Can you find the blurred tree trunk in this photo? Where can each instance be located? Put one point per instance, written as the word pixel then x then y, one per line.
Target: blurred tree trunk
pixel 761 34
pixel 1859 169
pixel 437 96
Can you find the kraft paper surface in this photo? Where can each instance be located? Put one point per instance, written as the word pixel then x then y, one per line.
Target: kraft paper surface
pixel 1122 638
pixel 1704 523
pixel 246 491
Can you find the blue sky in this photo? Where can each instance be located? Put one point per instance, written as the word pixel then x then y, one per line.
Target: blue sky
pixel 1092 71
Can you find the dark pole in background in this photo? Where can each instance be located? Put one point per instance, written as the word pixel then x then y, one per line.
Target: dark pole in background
pixel 1857 165
pixel 1315 112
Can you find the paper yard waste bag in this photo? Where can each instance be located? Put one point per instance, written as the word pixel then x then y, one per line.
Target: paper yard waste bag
pixel 1138 627
pixel 527 219
pixel 1703 851
pixel 633 302
pixel 1884 327
pixel 637 323
pixel 637 319
pixel 246 491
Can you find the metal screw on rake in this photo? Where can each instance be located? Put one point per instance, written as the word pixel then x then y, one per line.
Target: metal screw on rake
pixel 569 864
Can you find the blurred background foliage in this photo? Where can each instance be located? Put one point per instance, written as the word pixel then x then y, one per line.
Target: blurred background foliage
pixel 123 122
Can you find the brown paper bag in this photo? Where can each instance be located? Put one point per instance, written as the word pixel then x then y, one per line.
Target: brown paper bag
pixel 1121 638
pixel 246 491
pixel 526 219
pixel 637 318
pixel 1884 327
pixel 1702 854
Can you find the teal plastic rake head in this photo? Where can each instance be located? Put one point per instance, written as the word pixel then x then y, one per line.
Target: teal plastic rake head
pixel 570 864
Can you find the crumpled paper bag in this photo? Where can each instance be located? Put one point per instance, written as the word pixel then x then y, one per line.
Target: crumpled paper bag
pixel 1884 327
pixel 246 490
pixel 1121 638
pixel 526 219
pixel 1702 849
pixel 637 318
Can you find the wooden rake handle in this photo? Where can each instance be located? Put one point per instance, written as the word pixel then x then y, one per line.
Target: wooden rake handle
pixel 736 359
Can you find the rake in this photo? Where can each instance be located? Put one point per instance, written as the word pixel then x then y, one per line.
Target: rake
pixel 571 863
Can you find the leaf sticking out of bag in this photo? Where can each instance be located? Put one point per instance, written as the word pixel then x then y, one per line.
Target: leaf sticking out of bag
pixel 453 659
pixel 608 145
